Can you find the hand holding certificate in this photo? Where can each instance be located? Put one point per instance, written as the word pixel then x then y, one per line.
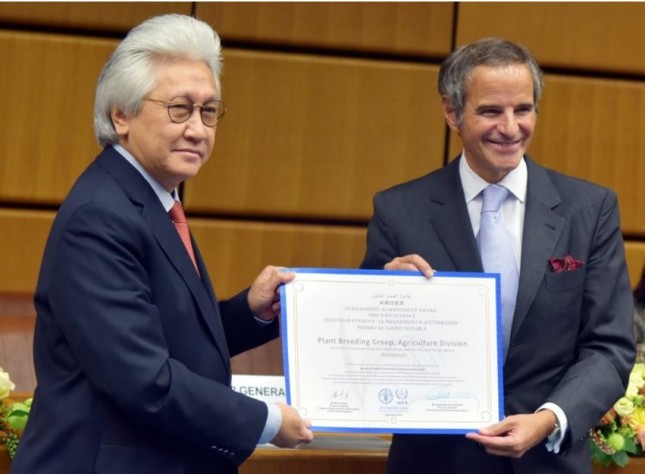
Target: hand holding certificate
pixel 379 351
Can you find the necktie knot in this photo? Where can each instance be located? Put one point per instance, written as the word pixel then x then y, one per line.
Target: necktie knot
pixel 493 197
pixel 177 213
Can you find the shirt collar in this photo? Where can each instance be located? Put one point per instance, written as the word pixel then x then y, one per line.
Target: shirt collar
pixel 167 199
pixel 516 181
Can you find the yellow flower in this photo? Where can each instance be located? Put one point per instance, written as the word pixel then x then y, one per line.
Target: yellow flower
pixel 637 419
pixel 632 391
pixel 636 382
pixel 6 385
pixel 638 371
pixel 624 406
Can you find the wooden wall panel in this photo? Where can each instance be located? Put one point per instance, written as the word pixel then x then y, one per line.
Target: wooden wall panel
pixel 606 36
pixel 23 242
pixel 236 252
pixel 316 137
pixel 419 28
pixel 111 16
pixel 593 129
pixel 635 255
pixel 47 136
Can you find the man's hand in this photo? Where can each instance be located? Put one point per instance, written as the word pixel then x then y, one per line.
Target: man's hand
pixel 515 435
pixel 294 430
pixel 410 262
pixel 263 297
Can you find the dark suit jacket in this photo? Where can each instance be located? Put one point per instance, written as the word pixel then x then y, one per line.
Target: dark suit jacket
pixel 572 337
pixel 131 348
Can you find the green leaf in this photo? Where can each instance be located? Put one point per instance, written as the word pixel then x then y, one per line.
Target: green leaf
pixel 630 446
pixel 620 458
pixel 598 455
pixel 16 423
pixel 19 407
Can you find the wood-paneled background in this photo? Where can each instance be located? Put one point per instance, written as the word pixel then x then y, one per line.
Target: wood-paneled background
pixel 327 104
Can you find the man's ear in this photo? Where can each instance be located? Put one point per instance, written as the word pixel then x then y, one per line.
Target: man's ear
pixel 450 114
pixel 120 121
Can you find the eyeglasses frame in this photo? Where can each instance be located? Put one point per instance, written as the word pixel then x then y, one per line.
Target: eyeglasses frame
pixel 170 103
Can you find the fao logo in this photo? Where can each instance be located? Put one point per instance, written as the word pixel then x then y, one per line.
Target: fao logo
pixel 385 396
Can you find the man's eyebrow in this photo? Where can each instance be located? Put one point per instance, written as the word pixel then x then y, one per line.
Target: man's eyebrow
pixel 483 107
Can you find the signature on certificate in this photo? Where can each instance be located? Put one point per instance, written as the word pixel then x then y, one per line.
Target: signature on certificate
pixel 444 392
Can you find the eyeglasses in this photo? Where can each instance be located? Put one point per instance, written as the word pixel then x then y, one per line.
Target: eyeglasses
pixel 181 108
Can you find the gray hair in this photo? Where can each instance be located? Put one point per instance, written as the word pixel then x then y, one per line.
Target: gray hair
pixel 131 71
pixel 456 70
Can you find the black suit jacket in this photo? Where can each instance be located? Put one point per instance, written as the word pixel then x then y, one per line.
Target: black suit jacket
pixel 572 336
pixel 131 348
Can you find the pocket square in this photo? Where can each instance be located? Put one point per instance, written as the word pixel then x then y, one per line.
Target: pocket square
pixel 564 264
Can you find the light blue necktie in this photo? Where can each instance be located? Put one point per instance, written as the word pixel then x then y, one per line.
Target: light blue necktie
pixel 497 254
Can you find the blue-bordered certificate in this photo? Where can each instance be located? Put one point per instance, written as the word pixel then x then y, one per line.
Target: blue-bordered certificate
pixel 393 352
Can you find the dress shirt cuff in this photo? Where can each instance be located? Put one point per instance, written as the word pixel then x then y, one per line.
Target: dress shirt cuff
pixel 553 445
pixel 263 322
pixel 272 426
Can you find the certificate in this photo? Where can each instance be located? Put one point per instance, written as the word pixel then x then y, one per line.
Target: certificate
pixel 393 352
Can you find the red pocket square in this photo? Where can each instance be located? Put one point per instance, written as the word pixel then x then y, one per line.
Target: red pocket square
pixel 564 264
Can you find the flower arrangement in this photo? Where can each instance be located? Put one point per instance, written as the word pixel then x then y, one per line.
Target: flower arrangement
pixel 621 432
pixel 13 414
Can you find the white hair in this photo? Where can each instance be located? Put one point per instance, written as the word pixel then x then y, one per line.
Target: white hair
pixel 131 71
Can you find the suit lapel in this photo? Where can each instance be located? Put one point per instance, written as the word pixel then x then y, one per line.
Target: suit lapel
pixel 542 230
pixel 142 195
pixel 169 240
pixel 450 220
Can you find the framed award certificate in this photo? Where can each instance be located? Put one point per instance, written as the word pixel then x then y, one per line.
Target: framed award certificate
pixel 393 351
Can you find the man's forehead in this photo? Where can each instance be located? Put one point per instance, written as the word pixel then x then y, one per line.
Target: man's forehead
pixel 511 79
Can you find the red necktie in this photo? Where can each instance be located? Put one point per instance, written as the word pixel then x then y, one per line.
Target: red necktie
pixel 179 219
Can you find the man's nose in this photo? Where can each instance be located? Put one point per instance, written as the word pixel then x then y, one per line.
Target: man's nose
pixel 195 126
pixel 508 124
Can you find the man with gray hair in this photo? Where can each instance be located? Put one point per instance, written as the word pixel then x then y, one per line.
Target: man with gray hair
pixel 567 337
pixel 131 347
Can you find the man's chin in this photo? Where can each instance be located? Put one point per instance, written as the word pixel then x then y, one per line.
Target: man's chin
pixel 190 170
